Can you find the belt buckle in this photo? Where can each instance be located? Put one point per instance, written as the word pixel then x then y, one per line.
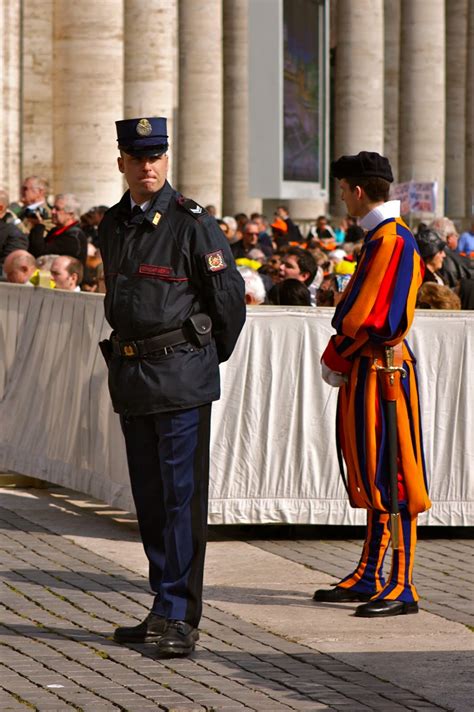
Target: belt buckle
pixel 129 349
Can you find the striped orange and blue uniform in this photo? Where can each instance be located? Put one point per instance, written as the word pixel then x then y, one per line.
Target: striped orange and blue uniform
pixel 377 310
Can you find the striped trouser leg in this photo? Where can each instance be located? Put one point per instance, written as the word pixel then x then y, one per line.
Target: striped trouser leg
pixel 399 586
pixel 368 575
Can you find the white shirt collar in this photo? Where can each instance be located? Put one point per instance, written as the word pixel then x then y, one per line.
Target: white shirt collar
pixel 143 206
pixel 390 209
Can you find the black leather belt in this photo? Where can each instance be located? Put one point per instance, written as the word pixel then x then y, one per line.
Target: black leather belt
pixel 141 347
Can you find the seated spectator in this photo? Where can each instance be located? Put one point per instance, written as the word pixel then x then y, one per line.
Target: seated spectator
pixel 354 235
pixel 466 293
pixel 290 292
pixel 67 273
pixel 341 229
pixel 90 222
pixel 455 267
pixel 432 251
pixel 271 268
pixel 19 267
pixel 66 238
pixel 466 243
pixel 293 231
pixel 254 288
pixel 33 205
pixel 264 238
pixel 241 220
pixel 231 233
pixel 437 296
pixel 249 241
pixel 298 264
pixel 279 234
pixel 11 238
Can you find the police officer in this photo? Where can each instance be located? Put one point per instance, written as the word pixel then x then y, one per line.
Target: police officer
pixel 176 304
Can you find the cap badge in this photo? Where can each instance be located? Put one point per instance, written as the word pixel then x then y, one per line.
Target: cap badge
pixel 144 128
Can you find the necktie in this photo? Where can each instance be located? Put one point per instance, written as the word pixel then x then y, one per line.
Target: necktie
pixel 137 215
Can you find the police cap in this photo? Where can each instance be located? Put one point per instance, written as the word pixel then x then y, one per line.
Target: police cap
pixel 365 165
pixel 142 136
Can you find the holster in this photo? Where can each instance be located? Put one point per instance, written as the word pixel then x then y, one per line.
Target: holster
pixel 198 329
pixel 105 347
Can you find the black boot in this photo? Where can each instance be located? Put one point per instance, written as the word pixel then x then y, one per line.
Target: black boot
pixel 340 595
pixel 179 639
pixel 148 631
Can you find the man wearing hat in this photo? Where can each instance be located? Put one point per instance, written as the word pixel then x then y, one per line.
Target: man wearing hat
pixel 176 304
pixel 377 407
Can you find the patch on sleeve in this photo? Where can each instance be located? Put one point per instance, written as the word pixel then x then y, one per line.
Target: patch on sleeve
pixel 214 261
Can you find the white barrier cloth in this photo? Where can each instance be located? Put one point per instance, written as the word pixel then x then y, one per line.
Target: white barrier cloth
pixel 273 454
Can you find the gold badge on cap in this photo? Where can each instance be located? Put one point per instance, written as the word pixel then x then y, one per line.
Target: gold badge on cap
pixel 144 127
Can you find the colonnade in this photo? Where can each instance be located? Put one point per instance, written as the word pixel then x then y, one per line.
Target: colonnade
pixel 403 69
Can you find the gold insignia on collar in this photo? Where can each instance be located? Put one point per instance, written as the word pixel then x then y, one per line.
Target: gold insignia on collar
pixel 143 127
pixel 156 218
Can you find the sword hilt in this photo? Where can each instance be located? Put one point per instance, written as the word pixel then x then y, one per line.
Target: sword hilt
pixel 390 369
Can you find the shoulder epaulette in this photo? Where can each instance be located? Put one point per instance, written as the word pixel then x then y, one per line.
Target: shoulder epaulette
pixel 191 207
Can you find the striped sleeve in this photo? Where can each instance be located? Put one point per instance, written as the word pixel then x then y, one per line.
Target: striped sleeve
pixel 379 302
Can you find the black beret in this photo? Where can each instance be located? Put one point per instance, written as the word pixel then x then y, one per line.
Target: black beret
pixel 429 243
pixel 365 165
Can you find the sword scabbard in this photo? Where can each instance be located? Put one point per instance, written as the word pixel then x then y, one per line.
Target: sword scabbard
pixel 395 529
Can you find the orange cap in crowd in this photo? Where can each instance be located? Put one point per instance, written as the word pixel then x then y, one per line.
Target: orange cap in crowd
pixel 279 224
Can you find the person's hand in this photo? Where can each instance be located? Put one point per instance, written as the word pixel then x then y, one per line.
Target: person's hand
pixel 332 378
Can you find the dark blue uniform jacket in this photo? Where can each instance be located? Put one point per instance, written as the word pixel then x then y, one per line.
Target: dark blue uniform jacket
pixel 160 268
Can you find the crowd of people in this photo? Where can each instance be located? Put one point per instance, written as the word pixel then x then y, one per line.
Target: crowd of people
pixel 48 242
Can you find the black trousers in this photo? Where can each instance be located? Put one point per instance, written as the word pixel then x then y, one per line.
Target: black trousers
pixel 168 461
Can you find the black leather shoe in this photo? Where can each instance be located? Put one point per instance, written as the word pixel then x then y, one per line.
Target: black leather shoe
pixel 148 631
pixel 383 608
pixel 179 639
pixel 340 595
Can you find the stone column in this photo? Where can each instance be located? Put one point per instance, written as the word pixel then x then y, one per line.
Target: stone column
pixel 151 62
pixel 392 17
pixel 236 153
pixel 422 94
pixel 456 66
pixel 88 98
pixel 37 94
pixel 10 104
pixel 469 212
pixel 200 117
pixel 359 80
pixel 359 77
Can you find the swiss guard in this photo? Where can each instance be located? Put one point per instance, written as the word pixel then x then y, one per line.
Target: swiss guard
pixel 378 415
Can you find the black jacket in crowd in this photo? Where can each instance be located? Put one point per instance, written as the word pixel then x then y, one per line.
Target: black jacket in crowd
pixel 59 241
pixel 161 267
pixel 455 267
pixel 11 239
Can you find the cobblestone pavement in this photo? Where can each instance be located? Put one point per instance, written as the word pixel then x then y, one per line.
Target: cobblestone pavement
pixel 444 568
pixel 61 601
